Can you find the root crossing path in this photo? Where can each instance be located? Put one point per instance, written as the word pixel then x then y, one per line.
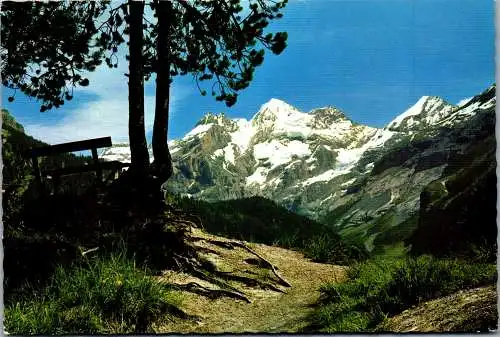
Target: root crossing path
pixel 250 288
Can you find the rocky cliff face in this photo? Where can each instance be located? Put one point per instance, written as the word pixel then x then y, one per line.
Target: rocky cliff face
pixel 364 180
pixel 459 208
pixel 386 207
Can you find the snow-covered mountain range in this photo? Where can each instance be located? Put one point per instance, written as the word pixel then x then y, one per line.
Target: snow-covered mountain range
pixel 320 162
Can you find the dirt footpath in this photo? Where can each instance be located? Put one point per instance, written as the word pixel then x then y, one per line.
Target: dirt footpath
pixel 274 307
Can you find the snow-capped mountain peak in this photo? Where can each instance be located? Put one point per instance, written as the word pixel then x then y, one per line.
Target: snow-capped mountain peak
pixel 427 111
pixel 213 118
pixel 328 115
pixel 273 110
pixel 277 106
pixel 208 121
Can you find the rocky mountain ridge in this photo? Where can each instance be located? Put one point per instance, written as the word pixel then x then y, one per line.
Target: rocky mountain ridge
pixel 363 180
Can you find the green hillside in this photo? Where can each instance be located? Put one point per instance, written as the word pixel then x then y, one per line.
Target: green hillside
pixel 18 181
pixel 261 220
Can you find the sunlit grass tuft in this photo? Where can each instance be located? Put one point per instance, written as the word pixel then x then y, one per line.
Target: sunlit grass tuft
pixel 107 295
pixel 386 286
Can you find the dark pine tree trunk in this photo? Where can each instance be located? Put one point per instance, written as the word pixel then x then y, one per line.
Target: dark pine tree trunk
pixel 162 160
pixel 137 134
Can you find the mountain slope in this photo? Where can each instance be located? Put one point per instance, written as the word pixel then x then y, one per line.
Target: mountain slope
pixel 262 221
pixel 473 311
pixel 386 208
pixel 363 180
pixel 459 209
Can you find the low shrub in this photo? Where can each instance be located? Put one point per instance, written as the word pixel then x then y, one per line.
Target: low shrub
pixel 326 247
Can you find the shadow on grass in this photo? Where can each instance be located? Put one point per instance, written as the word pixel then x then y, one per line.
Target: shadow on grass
pixel 54 230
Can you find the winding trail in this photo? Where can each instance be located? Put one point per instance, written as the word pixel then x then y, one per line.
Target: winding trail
pixel 285 310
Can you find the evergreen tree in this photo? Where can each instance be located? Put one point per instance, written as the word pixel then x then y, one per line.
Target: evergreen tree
pixel 137 133
pixel 46 48
pixel 211 40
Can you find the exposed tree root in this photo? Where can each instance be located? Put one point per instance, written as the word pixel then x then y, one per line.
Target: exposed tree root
pixel 266 263
pixel 200 274
pixel 249 281
pixel 193 268
pixel 194 238
pixel 282 281
pixel 187 223
pixel 210 293
pixel 208 250
pixel 255 262
pixel 223 244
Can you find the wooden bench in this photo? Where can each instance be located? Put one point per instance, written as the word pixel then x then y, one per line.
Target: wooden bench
pixel 89 144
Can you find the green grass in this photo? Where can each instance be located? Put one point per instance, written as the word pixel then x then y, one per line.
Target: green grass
pixel 386 286
pixel 108 295
pixel 328 248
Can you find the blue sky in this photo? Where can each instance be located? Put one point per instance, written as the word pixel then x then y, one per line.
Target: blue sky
pixel 371 58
